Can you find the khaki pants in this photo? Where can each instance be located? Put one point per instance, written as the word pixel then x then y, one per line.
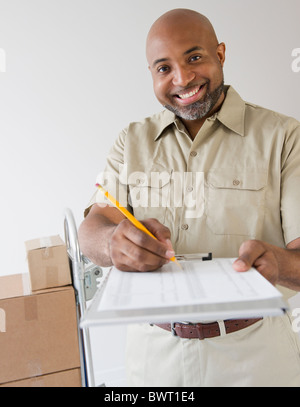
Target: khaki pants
pixel 264 354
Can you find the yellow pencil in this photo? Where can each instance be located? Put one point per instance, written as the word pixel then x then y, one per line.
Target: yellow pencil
pixel 129 216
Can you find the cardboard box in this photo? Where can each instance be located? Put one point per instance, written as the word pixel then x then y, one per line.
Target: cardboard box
pixel 48 263
pixel 68 378
pixel 38 331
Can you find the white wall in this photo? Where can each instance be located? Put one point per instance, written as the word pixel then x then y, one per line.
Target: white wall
pixel 76 74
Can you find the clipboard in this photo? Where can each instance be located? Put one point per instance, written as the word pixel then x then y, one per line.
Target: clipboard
pixel 117 300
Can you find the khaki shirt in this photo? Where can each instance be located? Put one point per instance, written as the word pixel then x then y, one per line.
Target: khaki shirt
pixel 239 178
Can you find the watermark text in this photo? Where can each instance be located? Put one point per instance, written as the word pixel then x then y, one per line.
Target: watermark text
pixel 156 190
pixel 296 61
pixel 296 321
pixel 2 60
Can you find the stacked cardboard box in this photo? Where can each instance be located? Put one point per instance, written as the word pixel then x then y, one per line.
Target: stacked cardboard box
pixel 38 330
pixel 48 263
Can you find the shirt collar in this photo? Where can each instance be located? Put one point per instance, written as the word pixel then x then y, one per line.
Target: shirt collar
pixel 231 114
pixel 167 118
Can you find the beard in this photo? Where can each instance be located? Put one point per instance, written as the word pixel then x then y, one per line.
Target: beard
pixel 201 108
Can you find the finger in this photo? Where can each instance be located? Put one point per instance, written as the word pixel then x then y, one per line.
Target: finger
pixel 249 252
pixel 141 239
pixel 130 257
pixel 267 266
pixel 160 231
pixel 259 255
pixel 132 249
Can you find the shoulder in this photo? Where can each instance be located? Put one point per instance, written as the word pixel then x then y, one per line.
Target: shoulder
pixel 150 127
pixel 270 118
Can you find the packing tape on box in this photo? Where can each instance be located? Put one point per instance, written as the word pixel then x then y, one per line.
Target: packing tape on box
pixel 26 284
pixel 34 368
pixel 2 321
pixel 45 244
pixel 52 276
pixel 30 308
pixel 38 381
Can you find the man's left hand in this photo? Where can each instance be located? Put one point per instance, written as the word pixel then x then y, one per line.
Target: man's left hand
pixel 260 255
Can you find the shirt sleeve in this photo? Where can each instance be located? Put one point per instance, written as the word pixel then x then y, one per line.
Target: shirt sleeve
pixel 290 184
pixel 113 179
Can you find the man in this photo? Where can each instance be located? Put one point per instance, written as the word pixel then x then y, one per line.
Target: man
pixel 241 166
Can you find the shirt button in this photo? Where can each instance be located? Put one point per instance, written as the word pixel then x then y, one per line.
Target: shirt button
pixel 184 227
pixel 194 154
pixel 190 189
pixel 236 182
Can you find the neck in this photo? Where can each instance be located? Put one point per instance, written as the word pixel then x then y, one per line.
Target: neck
pixel 193 126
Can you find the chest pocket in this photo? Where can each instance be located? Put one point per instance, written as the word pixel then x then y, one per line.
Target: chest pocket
pixel 149 194
pixel 235 202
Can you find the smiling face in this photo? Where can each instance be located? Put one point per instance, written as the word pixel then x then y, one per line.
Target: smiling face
pixel 186 63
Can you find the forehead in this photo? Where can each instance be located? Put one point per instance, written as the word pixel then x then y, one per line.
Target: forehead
pixel 176 41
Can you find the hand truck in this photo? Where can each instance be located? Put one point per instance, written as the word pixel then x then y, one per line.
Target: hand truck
pixel 85 276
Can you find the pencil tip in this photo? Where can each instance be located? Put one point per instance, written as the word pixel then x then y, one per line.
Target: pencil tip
pixel 176 262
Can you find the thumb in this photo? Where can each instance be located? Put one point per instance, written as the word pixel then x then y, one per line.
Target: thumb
pixel 241 264
pixel 161 232
pixel 250 251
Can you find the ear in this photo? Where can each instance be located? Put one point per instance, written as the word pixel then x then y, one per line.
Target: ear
pixel 221 51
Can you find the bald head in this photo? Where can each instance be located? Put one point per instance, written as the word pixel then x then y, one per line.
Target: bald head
pixel 186 63
pixel 178 21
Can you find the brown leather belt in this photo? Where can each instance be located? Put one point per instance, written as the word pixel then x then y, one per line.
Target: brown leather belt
pixel 205 331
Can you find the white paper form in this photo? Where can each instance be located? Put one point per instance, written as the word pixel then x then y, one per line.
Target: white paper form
pixel 198 282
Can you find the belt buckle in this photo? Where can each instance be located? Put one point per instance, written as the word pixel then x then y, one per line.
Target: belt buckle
pixel 173 328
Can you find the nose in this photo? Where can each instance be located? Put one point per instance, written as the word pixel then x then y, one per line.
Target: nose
pixel 182 76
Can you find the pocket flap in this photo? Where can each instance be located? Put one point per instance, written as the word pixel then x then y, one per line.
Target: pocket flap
pixel 236 179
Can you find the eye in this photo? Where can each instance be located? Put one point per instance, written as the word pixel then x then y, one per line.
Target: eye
pixel 195 58
pixel 162 69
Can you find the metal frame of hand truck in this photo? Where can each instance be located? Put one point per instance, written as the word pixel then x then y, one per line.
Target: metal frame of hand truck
pixel 85 276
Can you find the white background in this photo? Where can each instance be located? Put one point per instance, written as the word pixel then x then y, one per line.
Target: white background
pixel 76 74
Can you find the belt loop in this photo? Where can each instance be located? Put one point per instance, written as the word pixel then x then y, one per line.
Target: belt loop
pixel 173 330
pixel 200 333
pixel 222 328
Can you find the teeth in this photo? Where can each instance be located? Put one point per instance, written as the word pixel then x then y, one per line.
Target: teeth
pixel 189 95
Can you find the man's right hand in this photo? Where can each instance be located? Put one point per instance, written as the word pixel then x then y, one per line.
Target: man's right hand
pixel 134 250
pixel 107 238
